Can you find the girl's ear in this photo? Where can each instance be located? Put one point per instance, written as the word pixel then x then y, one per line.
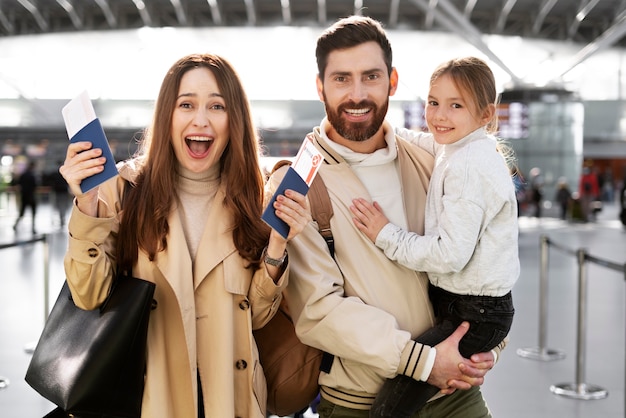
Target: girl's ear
pixel 489 114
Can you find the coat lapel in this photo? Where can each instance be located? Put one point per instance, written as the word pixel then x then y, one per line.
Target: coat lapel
pixel 215 245
pixel 408 155
pixel 217 242
pixel 175 262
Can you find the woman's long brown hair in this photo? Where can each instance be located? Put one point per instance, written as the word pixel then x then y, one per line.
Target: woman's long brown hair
pixel 147 205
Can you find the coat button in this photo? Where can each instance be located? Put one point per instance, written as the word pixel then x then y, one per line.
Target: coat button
pixel 93 252
pixel 154 304
pixel 244 305
pixel 241 364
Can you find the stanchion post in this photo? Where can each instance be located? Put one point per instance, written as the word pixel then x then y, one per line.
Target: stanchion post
pixel 46 278
pixel 29 348
pixel 542 353
pixel 4 382
pixel 580 389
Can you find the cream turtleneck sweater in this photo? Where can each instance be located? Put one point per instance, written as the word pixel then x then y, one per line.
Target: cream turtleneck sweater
pixel 196 192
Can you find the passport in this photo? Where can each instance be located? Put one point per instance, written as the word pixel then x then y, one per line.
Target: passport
pixel 94 133
pixel 299 177
pixel 82 124
pixel 293 181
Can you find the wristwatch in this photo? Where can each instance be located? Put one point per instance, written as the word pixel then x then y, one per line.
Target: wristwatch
pixel 276 262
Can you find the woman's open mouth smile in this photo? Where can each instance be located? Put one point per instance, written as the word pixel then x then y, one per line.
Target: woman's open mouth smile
pixel 198 146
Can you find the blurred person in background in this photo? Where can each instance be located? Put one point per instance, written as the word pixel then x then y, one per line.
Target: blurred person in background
pixel 27 184
pixel 536 191
pixel 622 202
pixel 589 192
pixel 563 197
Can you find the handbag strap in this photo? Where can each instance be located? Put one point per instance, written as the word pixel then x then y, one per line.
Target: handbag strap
pixel 125 192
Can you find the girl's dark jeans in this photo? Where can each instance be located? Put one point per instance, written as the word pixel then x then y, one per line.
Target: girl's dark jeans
pixel 490 320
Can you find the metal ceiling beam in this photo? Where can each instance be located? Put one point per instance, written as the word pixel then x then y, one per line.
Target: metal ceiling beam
pixel 504 15
pixel 621 8
pixel 464 28
pixel 6 23
pixel 108 13
pixel 143 12
pixel 430 14
pixel 469 8
pixel 541 16
pixel 180 12
pixel 607 39
pixel 321 12
pixel 32 8
pixel 580 16
pixel 358 7
pixel 285 8
pixel 215 12
pixel 394 7
pixel 71 12
pixel 250 12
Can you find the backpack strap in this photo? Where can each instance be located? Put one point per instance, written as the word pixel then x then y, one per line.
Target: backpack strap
pixel 322 211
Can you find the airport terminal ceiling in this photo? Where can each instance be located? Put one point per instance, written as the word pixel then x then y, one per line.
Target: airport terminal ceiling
pixel 593 25
pixel 588 26
pixel 580 21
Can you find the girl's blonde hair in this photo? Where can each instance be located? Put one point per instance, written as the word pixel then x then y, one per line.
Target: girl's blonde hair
pixel 474 78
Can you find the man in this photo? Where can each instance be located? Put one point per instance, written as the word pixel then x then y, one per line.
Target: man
pixel 622 202
pixel 27 184
pixel 588 190
pixel 536 190
pixel 358 305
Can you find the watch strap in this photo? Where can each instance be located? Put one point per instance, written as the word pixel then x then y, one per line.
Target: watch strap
pixel 276 262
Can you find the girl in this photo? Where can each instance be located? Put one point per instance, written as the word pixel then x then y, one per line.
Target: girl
pixel 469 248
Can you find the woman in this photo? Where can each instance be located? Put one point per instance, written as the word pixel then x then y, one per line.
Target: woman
pixel 192 225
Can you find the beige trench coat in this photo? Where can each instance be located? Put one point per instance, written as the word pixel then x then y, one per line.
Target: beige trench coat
pixel 204 318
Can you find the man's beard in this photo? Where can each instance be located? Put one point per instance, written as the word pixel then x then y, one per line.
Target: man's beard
pixel 356 132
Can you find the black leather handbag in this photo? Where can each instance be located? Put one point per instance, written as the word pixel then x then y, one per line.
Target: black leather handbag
pixel 91 364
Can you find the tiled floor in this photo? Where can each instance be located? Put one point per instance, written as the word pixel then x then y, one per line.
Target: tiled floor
pixel 518 387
